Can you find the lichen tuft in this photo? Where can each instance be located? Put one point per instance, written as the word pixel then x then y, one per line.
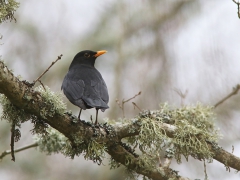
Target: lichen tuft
pixel 55 142
pixel 11 113
pixel 194 127
pixel 52 142
pixel 52 99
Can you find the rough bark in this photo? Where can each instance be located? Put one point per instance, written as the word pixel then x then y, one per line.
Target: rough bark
pixel 24 96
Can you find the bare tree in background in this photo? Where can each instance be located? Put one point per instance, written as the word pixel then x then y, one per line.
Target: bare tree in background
pixel 142 62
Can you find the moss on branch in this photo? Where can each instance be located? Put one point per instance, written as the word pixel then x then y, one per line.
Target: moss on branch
pixel 185 131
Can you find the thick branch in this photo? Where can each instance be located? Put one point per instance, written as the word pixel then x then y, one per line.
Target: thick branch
pixel 219 154
pixel 23 96
pixel 120 154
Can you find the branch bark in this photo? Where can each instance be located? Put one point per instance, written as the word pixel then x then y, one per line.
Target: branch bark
pixel 24 97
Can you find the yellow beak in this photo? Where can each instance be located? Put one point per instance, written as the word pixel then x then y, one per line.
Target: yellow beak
pixel 99 53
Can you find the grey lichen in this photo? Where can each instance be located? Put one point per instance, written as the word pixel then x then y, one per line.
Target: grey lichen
pixel 7 9
pixel 194 127
pixel 90 149
pixel 12 113
pixel 55 142
pixel 52 142
pixel 53 99
pixel 16 115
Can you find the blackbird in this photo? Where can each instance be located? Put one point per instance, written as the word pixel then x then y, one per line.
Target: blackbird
pixel 83 85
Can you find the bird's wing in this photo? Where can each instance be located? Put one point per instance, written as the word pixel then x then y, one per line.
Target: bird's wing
pixel 104 91
pixel 93 95
pixel 72 88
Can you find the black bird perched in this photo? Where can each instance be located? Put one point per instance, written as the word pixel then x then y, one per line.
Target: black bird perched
pixel 83 85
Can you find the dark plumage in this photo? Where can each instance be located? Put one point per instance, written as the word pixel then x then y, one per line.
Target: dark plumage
pixel 83 85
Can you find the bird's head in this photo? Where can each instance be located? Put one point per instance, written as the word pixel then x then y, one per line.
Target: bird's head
pixel 87 57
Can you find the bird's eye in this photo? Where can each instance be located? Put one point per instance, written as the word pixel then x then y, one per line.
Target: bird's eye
pixel 86 55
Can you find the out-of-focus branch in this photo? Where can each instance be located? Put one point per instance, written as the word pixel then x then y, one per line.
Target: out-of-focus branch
pixel 234 92
pixel 121 105
pixel 238 5
pixel 12 141
pixel 181 94
pixel 7 152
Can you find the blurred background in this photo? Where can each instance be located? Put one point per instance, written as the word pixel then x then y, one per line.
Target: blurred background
pixel 156 47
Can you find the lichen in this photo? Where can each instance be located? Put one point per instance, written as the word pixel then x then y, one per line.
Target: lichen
pixel 16 115
pixel 52 99
pixel 113 164
pixel 12 113
pixel 55 142
pixel 7 9
pixel 194 127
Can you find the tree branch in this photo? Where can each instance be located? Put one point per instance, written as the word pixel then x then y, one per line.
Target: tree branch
pixel 238 6
pixel 38 79
pixel 234 92
pixel 25 97
pixel 219 154
pixel 12 141
pixel 7 152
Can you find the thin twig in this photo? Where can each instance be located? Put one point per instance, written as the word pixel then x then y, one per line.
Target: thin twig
pixel 234 92
pixel 118 103
pixel 135 105
pixel 132 97
pixel 205 170
pixel 17 150
pixel 58 58
pixel 121 105
pixel 42 84
pixel 238 5
pixel 12 141
pixel 181 94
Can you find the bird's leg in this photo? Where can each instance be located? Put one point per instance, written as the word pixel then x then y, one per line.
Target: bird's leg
pixel 96 122
pixel 80 114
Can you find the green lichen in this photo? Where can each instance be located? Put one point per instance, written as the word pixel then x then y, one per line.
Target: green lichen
pixel 16 115
pixel 12 113
pixel 113 164
pixel 55 142
pixel 7 9
pixel 53 100
pixel 130 174
pixel 91 150
pixel 194 128
pixel 95 151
